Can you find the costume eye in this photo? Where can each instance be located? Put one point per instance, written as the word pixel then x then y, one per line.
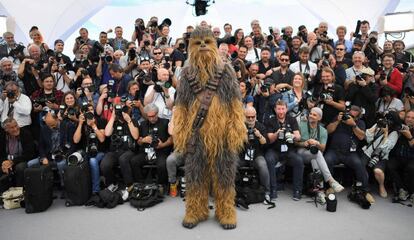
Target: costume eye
pixel 207 41
pixel 197 42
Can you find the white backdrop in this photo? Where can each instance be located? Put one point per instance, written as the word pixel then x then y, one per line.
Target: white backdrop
pixel 62 18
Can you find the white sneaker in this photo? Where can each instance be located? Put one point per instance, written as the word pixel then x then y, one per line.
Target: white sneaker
pixel 267 199
pixel 403 195
pixel 336 186
pixel 320 197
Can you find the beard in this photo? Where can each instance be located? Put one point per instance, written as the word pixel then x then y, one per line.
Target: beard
pixel 204 62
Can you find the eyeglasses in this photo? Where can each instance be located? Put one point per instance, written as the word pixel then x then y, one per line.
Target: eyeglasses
pixel 157 53
pixel 216 32
pixel 250 117
pixel 340 49
pixel 284 60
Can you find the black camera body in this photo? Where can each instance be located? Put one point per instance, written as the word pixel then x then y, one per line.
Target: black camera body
pixel 313 149
pixel 250 134
pixel 132 54
pixel 92 148
pixel 347 114
pixel 285 135
pixel 17 51
pixel 155 138
pixel 357 195
pixel 43 100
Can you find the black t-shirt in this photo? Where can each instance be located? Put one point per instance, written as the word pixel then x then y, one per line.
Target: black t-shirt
pixel 176 55
pixel 86 131
pixel 343 137
pixel 146 129
pixel 329 112
pixel 29 81
pixel 273 124
pixel 121 138
pixel 278 77
pixel 263 69
pixel 255 143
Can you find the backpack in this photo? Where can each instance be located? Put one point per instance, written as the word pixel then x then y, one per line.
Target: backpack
pixel 12 197
pixel 145 195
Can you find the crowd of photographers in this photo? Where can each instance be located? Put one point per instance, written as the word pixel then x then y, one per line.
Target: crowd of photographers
pixel 308 99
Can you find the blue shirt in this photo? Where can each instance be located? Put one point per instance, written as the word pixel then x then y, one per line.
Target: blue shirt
pixel 348 45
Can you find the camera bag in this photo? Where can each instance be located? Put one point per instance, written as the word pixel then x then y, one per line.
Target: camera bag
pixel 78 184
pixel 38 188
pixel 12 197
pixel 145 195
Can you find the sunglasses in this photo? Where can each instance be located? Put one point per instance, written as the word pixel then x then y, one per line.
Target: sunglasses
pixel 284 60
pixel 340 49
pixel 157 53
pixel 250 117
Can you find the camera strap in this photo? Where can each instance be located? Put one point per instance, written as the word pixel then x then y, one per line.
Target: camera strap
pixel 318 134
pixel 205 96
pixel 307 68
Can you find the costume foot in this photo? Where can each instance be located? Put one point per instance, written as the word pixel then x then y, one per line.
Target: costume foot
pixel 229 226
pixel 189 225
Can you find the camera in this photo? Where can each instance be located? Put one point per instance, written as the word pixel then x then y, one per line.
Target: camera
pixel 108 58
pixel 76 158
pixel 375 158
pixel 147 43
pixel 360 77
pixel 357 195
pixel 17 50
pixel 89 115
pixel 373 40
pixel 119 109
pixel 155 139
pixel 323 38
pixel 111 93
pixel 117 137
pixel 313 149
pixel 390 120
pixel 282 90
pixel 307 77
pixel 10 94
pixel 285 135
pixel 250 134
pixel 92 148
pixel 163 41
pixel 347 115
pixel 72 111
pixel 264 88
pixel 325 61
pixel 270 37
pixel 325 96
pixel 43 100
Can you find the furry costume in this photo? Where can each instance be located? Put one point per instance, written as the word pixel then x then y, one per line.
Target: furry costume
pixel 214 158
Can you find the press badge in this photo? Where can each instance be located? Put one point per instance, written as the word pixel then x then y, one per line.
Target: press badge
pixel 353 147
pixel 249 155
pixel 166 112
pixel 283 148
pixel 150 153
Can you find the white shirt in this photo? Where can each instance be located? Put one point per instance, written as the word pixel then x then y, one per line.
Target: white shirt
pixel 251 55
pixel 21 112
pixel 163 111
pixel 303 68
pixel 395 104
pixel 61 84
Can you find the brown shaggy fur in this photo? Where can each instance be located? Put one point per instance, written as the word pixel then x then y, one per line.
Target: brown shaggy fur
pixel 220 138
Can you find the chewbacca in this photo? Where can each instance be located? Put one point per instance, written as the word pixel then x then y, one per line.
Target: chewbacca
pixel 211 159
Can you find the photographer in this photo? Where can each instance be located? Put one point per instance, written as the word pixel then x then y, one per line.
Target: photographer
pixel 10 49
pixel 59 46
pixel 146 75
pixel 282 75
pixel 29 70
pixel 358 59
pixel 276 42
pixel 315 47
pixel 346 134
pixel 294 50
pixel 401 161
pixel 15 104
pixel 63 77
pixel 155 144
pixel 253 153
pixel 265 63
pixel 139 30
pixel 304 66
pixel 164 40
pixel 123 133
pixel 389 102
pixel 402 57
pixel 82 39
pixel 312 145
pixel 174 57
pixel 161 94
pixel 7 74
pixel 253 53
pixel 120 79
pixel 296 98
pixel 247 100
pixel 90 137
pixel 106 60
pixel 329 60
pixel 265 99
pixel 330 96
pixel 134 101
pixel 282 132
pixel 363 37
pixel 129 62
pixel 69 109
pixel 87 93
pixel 17 148
pixel 341 33
pixel 372 50
pixel 381 139
pixel 389 75
pixel 363 93
pixel 118 43
pixel 341 58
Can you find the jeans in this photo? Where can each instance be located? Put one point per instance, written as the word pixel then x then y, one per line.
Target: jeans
pixel 261 166
pixel 123 158
pixel 317 161
pixel 61 165
pixel 94 164
pixel 293 159
pixel 173 161
pixel 350 159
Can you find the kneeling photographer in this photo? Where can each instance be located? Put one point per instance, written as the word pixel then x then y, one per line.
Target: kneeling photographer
pixel 90 137
pixel 346 132
pixel 401 161
pixel 155 144
pixel 381 139
pixel 312 146
pixel 123 133
pixel 253 154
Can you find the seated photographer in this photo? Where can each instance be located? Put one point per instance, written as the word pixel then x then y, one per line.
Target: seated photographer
pixel 69 109
pixel 17 148
pixel 401 161
pixel 331 96
pixel 296 98
pixel 16 105
pixel 48 95
pixel 253 152
pixel 134 101
pixel 161 94
pixel 381 139
pixel 282 75
pixel 55 143
pixel 311 148
pixel 363 92
pixel 87 92
pixel 401 57
pixel 346 132
pixel 123 133
pixel 7 74
pixel 390 75
pixel 90 137
pixel 389 102
pixel 282 132
pixel 154 144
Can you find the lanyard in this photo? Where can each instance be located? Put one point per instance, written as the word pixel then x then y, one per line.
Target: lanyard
pixel 307 69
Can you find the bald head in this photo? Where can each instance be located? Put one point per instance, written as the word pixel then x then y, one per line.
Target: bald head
pixel 163 74
pixel 51 120
pixel 250 114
